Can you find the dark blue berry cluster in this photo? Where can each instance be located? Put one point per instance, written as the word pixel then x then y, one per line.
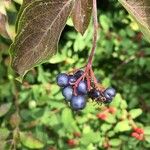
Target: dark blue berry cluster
pixel 76 91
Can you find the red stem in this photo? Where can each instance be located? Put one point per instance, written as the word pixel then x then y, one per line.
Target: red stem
pixel 95 33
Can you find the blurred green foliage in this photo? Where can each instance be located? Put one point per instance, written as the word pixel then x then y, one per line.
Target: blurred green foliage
pixel 34 115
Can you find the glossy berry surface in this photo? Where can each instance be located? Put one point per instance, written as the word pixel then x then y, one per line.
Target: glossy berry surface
pixel 79 73
pixel 94 93
pixel 67 92
pixel 72 79
pixel 109 93
pixel 62 80
pixel 78 102
pixel 82 87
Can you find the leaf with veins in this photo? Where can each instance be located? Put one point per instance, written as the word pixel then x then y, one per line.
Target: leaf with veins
pixel 140 11
pixel 81 14
pixel 39 29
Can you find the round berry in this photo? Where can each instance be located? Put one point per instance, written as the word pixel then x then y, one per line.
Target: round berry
pixel 79 73
pixel 94 93
pixel 72 79
pixel 62 80
pixel 67 92
pixel 78 102
pixel 109 93
pixel 82 87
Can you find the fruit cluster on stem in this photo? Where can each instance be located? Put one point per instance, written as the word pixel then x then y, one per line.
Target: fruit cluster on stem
pixel 79 85
pixel 77 88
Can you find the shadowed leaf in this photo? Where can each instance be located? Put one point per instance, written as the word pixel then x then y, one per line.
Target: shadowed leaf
pixel 3 20
pixel 3 24
pixel 140 11
pixel 23 6
pixel 4 108
pixel 81 15
pixel 39 29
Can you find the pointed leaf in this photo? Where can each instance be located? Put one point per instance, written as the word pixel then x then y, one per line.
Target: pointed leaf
pixel 134 113
pixel 39 29
pixel 29 141
pixel 140 11
pixel 122 126
pixel 81 14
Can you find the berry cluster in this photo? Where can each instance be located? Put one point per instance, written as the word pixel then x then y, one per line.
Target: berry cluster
pixel 138 133
pixel 77 88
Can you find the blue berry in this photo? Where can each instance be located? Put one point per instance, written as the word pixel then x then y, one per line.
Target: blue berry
pixel 109 93
pixel 82 87
pixel 78 102
pixel 94 93
pixel 79 73
pixel 62 80
pixel 67 92
pixel 72 79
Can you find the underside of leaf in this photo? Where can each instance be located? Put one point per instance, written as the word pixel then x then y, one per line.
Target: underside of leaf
pixel 39 28
pixel 140 11
pixel 81 14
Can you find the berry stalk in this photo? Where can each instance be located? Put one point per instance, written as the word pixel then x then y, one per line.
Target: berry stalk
pixel 95 23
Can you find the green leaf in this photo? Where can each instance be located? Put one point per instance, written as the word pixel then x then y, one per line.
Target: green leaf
pixel 18 1
pixel 122 126
pixel 39 28
pixel 105 23
pixel 68 121
pixel 123 104
pixel 105 127
pixel 4 132
pixel 115 142
pixel 147 138
pixel 4 108
pixel 81 14
pixel 111 119
pixel 117 100
pixel 89 136
pixel 29 141
pixel 134 113
pixel 147 130
pixel 140 11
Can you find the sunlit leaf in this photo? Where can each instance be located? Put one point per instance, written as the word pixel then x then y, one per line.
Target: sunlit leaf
pixel 39 29
pixel 29 141
pixel 122 126
pixel 135 112
pixel 140 11
pixel 81 15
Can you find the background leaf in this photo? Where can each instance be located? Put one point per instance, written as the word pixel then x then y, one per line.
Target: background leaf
pixel 81 14
pixel 135 113
pixel 4 108
pixel 39 29
pixel 3 20
pixel 29 141
pixel 140 11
